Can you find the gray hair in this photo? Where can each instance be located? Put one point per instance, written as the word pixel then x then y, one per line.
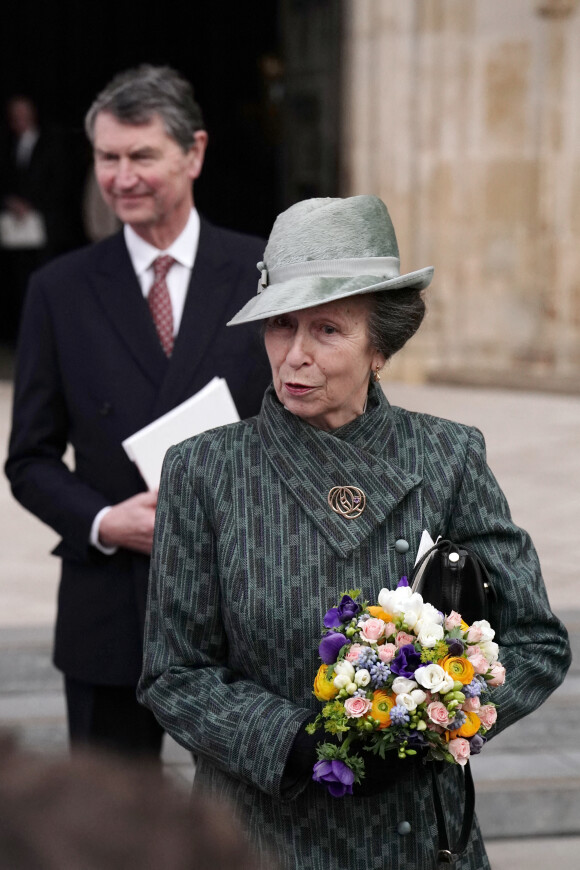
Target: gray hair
pixel 134 96
pixel 394 317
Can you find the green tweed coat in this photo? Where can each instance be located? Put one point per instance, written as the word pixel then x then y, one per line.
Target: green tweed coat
pixel 248 557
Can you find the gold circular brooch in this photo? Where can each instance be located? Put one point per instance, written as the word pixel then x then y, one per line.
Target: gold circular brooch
pixel 348 501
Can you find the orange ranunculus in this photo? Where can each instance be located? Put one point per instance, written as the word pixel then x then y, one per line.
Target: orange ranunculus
pixel 459 668
pixel 379 613
pixel 469 727
pixel 382 704
pixel 324 689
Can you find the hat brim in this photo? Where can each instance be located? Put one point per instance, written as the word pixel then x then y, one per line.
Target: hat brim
pixel 300 293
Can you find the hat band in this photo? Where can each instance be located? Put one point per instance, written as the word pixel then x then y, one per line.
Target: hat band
pixel 385 267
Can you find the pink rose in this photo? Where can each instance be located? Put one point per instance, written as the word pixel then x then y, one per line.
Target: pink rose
pixel 478 660
pixel 390 628
pixel 403 638
pixel 453 620
pixel 475 634
pixel 372 629
pixel 437 713
pixel 487 715
pixel 357 707
pixel 387 652
pixel 353 653
pixel 459 749
pixel 497 675
pixel 471 705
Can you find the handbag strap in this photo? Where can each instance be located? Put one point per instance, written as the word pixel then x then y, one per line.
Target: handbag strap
pixel 448 854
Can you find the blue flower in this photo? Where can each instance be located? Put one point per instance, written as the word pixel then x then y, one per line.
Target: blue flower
pixel 406 661
pixel 330 646
pixel 399 715
pixel 403 582
pixel 476 743
pixel 460 719
pixel 472 689
pixel 366 657
pixel 346 610
pixel 380 673
pixel 335 775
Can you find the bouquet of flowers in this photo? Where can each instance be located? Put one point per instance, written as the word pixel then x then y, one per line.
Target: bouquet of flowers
pixel 401 676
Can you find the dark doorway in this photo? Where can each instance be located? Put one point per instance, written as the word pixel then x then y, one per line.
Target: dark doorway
pixel 61 53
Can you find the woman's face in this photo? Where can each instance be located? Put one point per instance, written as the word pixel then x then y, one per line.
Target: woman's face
pixel 321 360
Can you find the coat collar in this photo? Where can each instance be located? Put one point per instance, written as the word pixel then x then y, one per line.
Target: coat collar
pixel 378 452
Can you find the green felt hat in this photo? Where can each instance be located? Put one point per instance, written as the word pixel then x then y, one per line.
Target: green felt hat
pixel 320 250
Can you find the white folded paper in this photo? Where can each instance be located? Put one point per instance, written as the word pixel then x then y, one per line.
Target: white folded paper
pixel 210 407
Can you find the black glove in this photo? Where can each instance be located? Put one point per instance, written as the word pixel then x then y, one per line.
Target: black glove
pixel 301 758
pixel 382 774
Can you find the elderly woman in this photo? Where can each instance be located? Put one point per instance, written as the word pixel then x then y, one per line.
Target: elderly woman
pixel 250 553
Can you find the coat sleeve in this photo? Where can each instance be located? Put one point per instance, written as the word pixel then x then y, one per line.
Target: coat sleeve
pixel 39 478
pixel 240 727
pixel 533 643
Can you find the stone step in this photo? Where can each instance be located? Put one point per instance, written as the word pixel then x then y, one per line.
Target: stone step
pixel 528 778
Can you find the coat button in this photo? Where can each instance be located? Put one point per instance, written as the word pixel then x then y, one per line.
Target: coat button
pixel 403 828
pixel 401 546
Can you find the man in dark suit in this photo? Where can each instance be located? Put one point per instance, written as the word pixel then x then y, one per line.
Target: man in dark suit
pixel 113 336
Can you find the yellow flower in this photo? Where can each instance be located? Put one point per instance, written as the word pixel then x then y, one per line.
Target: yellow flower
pixel 324 689
pixel 459 668
pixel 464 626
pixel 469 727
pixel 381 708
pixel 379 613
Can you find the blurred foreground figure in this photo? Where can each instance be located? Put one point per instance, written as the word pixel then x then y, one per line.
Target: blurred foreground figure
pixel 91 813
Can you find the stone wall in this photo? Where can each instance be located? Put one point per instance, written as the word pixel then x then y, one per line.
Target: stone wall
pixel 464 116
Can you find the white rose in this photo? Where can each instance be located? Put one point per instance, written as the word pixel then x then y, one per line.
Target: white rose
pixel 418 696
pixel 362 677
pixel 431 614
pixel 341 681
pixel 406 700
pixel 487 632
pixel 432 677
pixel 344 668
pixel 429 634
pixel 402 685
pixel 399 600
pixel 490 649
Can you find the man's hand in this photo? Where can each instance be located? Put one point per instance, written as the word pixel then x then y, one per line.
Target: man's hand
pixel 130 523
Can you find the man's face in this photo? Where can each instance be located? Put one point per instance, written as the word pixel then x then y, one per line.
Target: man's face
pixel 145 176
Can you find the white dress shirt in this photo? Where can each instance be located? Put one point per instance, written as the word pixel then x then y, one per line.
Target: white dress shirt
pixel 142 254
pixel 183 250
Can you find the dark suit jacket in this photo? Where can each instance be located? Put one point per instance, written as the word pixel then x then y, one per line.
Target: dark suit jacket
pixel 91 371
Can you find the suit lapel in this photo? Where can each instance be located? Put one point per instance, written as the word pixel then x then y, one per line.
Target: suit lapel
pixel 114 282
pixel 369 454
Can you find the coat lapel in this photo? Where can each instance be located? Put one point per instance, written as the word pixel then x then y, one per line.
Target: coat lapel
pixel 368 453
pixel 115 284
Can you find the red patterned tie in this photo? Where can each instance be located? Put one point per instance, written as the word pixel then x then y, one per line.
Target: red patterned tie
pixel 160 303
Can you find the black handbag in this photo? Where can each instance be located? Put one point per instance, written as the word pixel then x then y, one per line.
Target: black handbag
pixel 451 577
